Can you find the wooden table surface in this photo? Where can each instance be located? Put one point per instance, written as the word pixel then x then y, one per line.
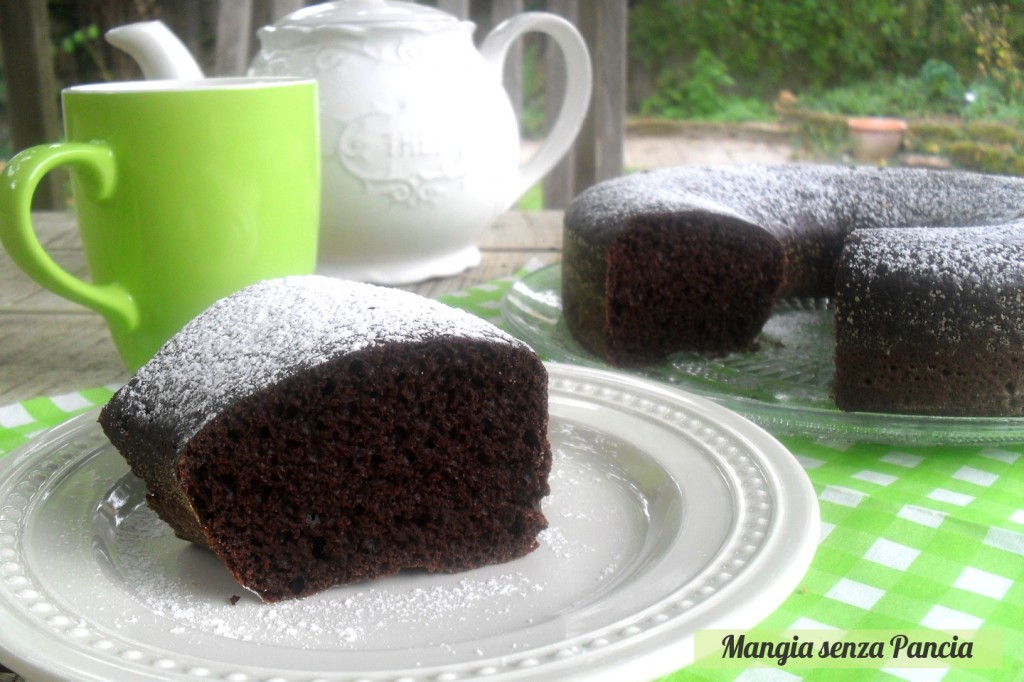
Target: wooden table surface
pixel 50 346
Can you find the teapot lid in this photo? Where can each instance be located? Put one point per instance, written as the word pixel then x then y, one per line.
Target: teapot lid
pixel 365 13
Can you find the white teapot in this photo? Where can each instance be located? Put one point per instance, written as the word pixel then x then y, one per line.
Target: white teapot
pixel 419 140
pixel 420 144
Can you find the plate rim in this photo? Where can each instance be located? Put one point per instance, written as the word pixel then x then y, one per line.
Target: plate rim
pixel 787 420
pixel 797 547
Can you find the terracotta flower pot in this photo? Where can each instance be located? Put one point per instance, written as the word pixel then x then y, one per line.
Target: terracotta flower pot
pixel 876 139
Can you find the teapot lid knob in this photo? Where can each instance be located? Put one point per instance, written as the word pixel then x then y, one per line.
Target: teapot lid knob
pixel 365 13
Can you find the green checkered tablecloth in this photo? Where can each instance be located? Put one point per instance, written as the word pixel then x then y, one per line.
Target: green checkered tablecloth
pixel 912 538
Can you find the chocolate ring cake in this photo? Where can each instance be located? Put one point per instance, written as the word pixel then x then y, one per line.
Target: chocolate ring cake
pixel 315 432
pixel 926 269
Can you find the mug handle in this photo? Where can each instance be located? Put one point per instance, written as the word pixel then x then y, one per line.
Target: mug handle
pixel 18 182
pixel 578 80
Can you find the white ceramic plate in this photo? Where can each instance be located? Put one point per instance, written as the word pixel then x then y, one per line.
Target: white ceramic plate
pixel 667 514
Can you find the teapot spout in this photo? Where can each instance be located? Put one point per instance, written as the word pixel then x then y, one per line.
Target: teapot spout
pixel 159 53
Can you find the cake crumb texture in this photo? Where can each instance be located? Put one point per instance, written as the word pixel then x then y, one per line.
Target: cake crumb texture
pixel 925 269
pixel 314 432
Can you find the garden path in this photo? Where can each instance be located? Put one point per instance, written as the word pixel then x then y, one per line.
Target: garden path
pixel 642 152
pixel 646 151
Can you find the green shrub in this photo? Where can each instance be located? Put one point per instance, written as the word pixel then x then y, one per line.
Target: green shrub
pixel 936 90
pixel 986 158
pixel 986 100
pixel 532 112
pixel 882 96
pixel 994 27
pixel 942 85
pixel 701 91
pixel 532 200
pixel 769 45
pixel 958 62
pixel 930 137
pixel 994 132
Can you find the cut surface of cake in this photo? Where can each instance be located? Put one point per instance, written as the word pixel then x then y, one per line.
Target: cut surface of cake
pixel 924 269
pixel 315 432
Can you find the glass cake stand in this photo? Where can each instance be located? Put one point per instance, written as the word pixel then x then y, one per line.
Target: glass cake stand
pixel 783 386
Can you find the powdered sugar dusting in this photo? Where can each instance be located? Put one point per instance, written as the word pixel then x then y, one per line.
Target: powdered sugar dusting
pixel 948 284
pixel 594 537
pixel 955 239
pixel 780 198
pixel 342 618
pixel 254 338
pixel 974 255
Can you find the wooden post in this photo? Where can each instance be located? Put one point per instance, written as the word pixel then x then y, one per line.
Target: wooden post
pixel 187 18
pixel 234 34
pixel 500 11
pixel 559 187
pixel 28 64
pixel 267 12
pixel 236 25
pixel 600 149
pixel 459 8
pixel 282 8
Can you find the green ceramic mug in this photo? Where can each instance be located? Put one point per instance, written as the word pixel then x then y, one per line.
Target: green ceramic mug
pixel 185 191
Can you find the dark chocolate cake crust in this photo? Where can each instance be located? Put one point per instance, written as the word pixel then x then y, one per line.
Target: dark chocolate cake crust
pixel 693 258
pixel 313 432
pixel 932 321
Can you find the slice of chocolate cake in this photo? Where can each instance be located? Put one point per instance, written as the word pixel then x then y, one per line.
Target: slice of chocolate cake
pixel 314 432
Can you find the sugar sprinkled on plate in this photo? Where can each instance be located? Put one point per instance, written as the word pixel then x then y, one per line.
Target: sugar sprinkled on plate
pixel 344 616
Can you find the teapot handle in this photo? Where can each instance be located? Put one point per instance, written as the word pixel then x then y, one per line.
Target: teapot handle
pixel 577 87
